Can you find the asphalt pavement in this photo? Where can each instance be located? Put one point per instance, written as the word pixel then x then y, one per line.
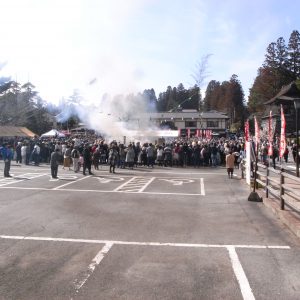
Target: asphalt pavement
pixel 161 233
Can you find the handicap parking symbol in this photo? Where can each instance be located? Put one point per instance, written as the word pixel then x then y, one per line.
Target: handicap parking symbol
pixel 108 179
pixel 178 181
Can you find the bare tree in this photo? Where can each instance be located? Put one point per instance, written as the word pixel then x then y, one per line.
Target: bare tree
pixel 200 72
pixel 199 75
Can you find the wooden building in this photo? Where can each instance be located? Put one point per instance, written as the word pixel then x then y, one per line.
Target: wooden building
pixel 288 97
pixel 215 121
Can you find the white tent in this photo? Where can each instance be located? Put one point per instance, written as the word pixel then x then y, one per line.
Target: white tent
pixel 53 133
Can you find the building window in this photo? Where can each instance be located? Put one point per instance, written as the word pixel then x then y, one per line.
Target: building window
pixel 213 124
pixel 190 124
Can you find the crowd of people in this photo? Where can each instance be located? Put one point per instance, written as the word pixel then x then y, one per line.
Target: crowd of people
pixel 82 154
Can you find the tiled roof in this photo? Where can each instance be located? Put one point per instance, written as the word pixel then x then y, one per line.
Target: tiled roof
pixel 186 115
pixel 288 92
pixel 11 131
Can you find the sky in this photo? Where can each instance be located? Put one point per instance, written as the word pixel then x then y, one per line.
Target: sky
pixel 126 46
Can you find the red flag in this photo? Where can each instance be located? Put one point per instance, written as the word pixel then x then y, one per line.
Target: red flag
pixel 247 131
pixel 179 132
pixel 256 131
pixel 270 150
pixel 189 133
pixel 282 134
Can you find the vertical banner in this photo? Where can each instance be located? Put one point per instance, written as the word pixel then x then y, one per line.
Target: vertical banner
pixel 270 150
pixel 188 133
pixel 256 127
pixel 246 132
pixel 248 162
pixel 179 132
pixel 256 131
pixel 282 134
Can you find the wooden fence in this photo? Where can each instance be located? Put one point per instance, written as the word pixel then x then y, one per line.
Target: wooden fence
pixel 279 184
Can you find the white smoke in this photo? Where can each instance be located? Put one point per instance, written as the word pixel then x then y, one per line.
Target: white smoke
pixel 113 117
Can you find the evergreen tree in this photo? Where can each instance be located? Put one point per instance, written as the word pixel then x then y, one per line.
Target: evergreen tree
pixel 281 55
pixel 151 100
pixel 21 106
pixel 195 99
pixel 235 101
pixel 281 66
pixel 161 102
pixel 169 99
pixel 209 102
pixel 294 54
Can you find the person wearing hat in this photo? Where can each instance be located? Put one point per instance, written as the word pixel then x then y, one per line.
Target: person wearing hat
pixel 7 155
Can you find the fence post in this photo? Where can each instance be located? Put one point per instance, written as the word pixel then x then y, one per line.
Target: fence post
pixel 281 190
pixel 267 183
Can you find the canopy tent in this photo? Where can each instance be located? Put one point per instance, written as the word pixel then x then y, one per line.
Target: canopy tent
pixel 53 133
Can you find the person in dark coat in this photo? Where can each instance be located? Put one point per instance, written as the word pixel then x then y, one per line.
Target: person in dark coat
pixel 54 162
pixel 18 153
pixel 87 159
pixel 7 155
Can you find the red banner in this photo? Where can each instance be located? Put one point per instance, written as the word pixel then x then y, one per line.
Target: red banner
pixel 179 132
pixel 247 131
pixel 188 133
pixel 256 131
pixel 282 134
pixel 270 150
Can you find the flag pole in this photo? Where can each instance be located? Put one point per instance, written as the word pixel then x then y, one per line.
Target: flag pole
pixel 254 197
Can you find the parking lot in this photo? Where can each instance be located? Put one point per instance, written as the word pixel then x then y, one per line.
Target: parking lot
pixel 121 183
pixel 157 233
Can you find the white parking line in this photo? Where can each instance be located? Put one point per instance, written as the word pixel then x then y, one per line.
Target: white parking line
pixel 20 178
pixel 236 264
pixel 240 274
pixel 92 241
pixel 94 191
pixel 202 190
pixel 63 185
pixel 96 261
pixel 119 187
pixel 144 187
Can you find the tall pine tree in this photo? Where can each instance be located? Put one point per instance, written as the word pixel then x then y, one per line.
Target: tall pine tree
pixel 294 54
